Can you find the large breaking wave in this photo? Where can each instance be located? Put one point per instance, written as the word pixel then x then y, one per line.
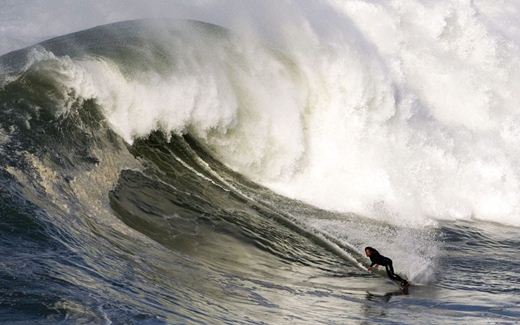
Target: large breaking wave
pixel 152 166
pixel 408 131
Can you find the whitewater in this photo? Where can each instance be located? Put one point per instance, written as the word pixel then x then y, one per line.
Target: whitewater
pixel 197 160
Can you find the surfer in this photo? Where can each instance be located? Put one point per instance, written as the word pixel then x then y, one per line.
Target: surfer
pixel 378 259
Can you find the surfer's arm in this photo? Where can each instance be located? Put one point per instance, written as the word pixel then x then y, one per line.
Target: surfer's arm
pixel 372 266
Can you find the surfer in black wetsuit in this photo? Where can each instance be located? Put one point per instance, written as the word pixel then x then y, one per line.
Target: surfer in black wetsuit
pixel 378 259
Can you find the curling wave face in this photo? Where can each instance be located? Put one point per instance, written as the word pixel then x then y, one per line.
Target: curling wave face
pixel 409 132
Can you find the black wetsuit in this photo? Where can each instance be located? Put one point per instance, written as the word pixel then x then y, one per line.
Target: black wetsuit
pixel 379 259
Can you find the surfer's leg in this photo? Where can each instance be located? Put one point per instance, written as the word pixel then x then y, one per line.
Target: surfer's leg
pixel 390 271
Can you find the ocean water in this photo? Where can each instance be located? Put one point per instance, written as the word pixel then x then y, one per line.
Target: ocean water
pixel 227 162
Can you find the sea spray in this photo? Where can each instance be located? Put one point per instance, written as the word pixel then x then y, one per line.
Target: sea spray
pixel 345 122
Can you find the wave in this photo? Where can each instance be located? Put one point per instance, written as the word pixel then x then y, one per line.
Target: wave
pixel 81 108
pixel 260 110
pixel 150 168
pixel 343 126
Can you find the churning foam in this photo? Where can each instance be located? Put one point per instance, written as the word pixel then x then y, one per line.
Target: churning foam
pixel 400 110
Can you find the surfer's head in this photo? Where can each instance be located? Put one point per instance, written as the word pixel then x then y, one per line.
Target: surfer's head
pixel 369 251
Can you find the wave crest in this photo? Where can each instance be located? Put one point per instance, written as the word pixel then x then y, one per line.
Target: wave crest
pixel 347 123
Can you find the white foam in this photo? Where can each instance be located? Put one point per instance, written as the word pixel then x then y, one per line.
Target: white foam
pixel 402 110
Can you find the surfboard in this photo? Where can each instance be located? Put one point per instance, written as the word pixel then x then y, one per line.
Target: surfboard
pixel 401 286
